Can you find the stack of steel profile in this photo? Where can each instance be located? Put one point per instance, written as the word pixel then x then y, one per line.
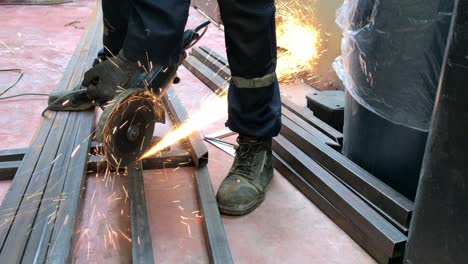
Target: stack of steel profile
pixel 39 211
pixel 307 153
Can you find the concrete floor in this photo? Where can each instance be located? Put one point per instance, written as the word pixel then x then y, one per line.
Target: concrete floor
pixel 286 228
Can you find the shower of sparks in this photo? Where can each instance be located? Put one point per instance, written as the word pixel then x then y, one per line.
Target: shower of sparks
pixel 213 109
pixel 299 41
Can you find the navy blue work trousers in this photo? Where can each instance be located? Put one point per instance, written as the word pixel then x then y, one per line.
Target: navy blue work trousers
pixel 153 29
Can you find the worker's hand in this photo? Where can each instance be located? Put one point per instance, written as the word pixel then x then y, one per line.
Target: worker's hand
pixel 106 78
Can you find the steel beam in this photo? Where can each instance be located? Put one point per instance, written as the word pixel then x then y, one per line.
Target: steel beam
pixel 142 247
pixel 372 189
pixel 218 246
pixel 211 62
pixel 387 242
pixel 12 154
pixel 177 112
pixel 8 169
pixel 210 78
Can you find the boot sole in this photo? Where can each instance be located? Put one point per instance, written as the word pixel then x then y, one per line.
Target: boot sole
pixel 232 212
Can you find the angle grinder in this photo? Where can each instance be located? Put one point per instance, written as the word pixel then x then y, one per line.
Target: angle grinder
pixel 125 128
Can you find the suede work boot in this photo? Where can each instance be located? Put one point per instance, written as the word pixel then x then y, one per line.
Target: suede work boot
pixel 244 187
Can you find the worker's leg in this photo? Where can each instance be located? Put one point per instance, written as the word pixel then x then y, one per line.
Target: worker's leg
pixel 254 99
pixel 155 30
pixel 115 21
pixel 254 105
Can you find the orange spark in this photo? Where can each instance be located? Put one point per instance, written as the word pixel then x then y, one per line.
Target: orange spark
pixel 299 41
pixel 213 109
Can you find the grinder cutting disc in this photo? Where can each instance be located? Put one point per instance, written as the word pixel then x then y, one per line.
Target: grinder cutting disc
pixel 126 126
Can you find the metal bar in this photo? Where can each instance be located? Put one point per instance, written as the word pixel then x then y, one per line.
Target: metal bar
pixel 206 75
pixel 221 134
pixel 61 236
pixel 38 155
pixel 403 229
pixel 19 231
pixel 309 117
pixel 70 202
pixel 215 65
pixel 142 248
pixel 166 159
pixel 215 55
pixel 198 150
pixel 8 169
pixel 331 211
pixel 222 146
pixel 378 193
pixel 38 241
pixel 216 240
pixel 12 154
pixel 389 240
pixel 14 197
pixel 310 129
pixel 218 247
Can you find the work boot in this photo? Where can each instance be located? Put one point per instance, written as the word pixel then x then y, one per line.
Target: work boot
pixel 100 84
pixel 244 187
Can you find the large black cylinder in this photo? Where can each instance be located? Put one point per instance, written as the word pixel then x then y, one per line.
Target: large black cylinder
pixel 392 152
pixel 392 53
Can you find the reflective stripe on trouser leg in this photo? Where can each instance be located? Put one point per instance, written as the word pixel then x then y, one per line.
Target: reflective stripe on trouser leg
pixel 254 107
pixel 254 82
pixel 255 111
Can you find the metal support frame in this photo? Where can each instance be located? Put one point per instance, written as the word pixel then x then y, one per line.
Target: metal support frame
pixel 215 236
pixel 18 242
pixel 197 156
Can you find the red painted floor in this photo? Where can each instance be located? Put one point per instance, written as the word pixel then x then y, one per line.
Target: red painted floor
pixel 286 228
pixel 39 40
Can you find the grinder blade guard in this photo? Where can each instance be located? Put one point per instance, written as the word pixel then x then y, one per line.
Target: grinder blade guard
pixel 126 126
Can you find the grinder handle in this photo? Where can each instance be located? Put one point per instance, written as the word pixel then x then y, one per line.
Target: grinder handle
pixel 192 36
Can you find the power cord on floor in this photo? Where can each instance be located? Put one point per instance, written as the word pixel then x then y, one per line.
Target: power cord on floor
pixel 20 75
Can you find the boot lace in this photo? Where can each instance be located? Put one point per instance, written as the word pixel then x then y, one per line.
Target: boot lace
pixel 245 154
